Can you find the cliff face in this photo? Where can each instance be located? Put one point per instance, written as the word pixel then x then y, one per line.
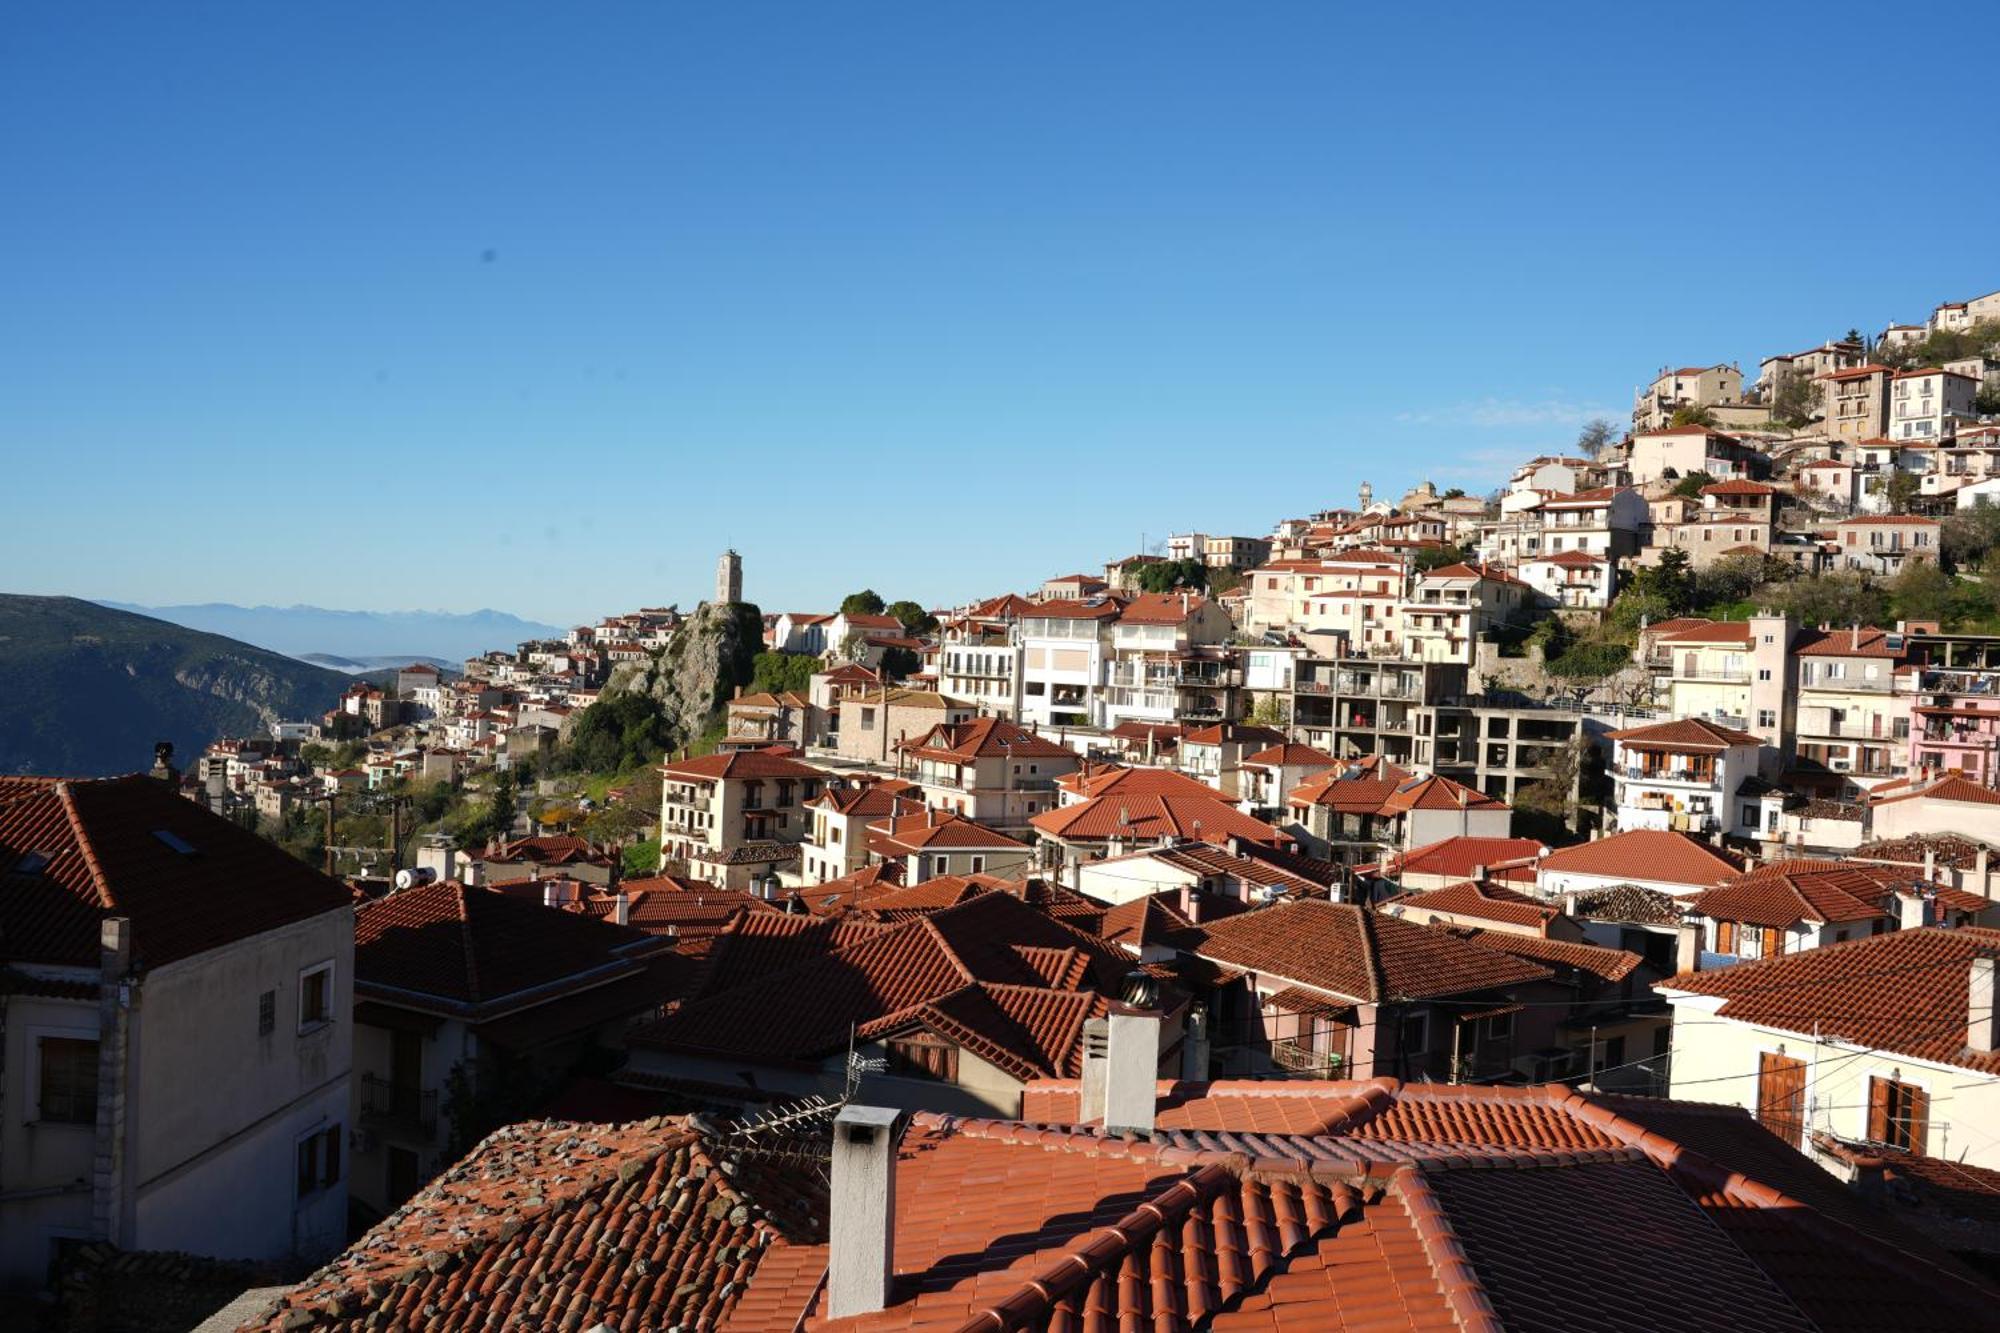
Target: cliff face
pixel 92 688
pixel 700 667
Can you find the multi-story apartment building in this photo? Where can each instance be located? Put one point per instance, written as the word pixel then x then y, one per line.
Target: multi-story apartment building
pixel 1684 775
pixel 1854 403
pixel 874 724
pixel 1955 716
pixel 1451 607
pixel 1853 721
pixel 1334 594
pixel 1958 316
pixel 1731 518
pixel 737 818
pixel 1235 552
pixel 1689 386
pixel 990 770
pixel 178 1037
pixel 1213 755
pixel 1158 640
pixel 1810 364
pixel 1352 707
pixel 1704 670
pixel 1571 579
pixel 1682 451
pixel 836 844
pixel 1883 543
pixel 978 660
pixel 1065 645
pixel 1930 404
pixel 1608 522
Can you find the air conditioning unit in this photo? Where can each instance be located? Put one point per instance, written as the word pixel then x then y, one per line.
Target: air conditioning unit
pixel 1840 765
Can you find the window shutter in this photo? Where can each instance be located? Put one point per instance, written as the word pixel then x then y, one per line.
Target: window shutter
pixel 1917 1130
pixel 1878 1110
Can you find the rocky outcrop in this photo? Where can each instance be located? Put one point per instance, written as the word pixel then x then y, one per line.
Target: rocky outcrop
pixel 695 674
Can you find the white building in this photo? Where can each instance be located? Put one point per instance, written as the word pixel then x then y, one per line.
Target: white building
pixel 174 1067
pixel 1684 775
pixel 1930 404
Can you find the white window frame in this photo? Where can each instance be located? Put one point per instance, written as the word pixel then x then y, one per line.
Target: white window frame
pixel 304 1025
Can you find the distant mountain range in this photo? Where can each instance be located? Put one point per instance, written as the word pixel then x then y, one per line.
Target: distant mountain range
pixel 91 688
pixel 389 663
pixel 372 638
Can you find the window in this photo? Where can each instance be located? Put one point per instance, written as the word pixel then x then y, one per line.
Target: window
pixel 267 1012
pixel 319 1160
pixel 1725 937
pixel 315 996
pixel 1781 1096
pixel 1499 1027
pixel 978 864
pixel 68 1081
pixel 1415 1033
pixel 1763 673
pixel 1898 1114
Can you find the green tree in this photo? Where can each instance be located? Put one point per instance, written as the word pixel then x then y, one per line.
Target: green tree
pixel 1987 401
pixel 1690 485
pixel 778 673
pixel 1730 579
pixel 915 619
pixel 504 806
pixel 1843 597
pixel 641 858
pixel 1903 490
pixel 867 602
pixel 1455 493
pixel 1969 534
pixel 1921 591
pixel 1671 581
pixel 1270 711
pixel 1437 557
pixel 1692 414
pixel 617 733
pixel 900 663
pixel 1167 575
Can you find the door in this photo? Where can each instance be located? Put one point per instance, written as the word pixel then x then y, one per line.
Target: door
pixel 1781 1097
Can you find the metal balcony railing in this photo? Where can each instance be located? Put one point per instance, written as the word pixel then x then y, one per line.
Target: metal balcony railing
pixel 1292 1057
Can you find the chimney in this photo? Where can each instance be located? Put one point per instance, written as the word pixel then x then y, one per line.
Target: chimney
pixel 1982 1022
pixel 621 909
pixel 1930 864
pixel 552 894
pixel 862 1221
pixel 1479 874
pixel 163 762
pixel 1687 947
pixel 1132 1072
pixel 1979 871
pixel 1913 908
pixel 1096 1062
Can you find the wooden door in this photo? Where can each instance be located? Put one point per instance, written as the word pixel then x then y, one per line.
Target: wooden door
pixel 1781 1097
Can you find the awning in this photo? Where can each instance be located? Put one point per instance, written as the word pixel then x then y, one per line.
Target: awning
pixel 1496 1011
pixel 378 1015
pixel 1310 1003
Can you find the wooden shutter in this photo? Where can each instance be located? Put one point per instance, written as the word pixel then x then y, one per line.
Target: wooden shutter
pixel 1725 937
pixel 1781 1097
pixel 1878 1110
pixel 1774 942
pixel 1917 1120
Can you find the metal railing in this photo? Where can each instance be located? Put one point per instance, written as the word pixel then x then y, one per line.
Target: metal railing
pixel 1297 1059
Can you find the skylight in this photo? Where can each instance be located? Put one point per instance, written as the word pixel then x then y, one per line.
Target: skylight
pixel 32 864
pixel 174 841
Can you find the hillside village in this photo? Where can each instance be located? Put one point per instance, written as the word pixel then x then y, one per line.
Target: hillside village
pixel 1279 918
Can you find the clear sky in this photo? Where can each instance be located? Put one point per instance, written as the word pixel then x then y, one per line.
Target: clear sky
pixel 539 306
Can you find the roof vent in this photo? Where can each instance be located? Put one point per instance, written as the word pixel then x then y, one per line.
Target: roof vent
pixel 31 864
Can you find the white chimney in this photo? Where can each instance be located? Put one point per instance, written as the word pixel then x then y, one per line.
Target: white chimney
pixel 552 894
pixel 1912 910
pixel 621 908
pixel 862 1221
pixel 1982 1023
pixel 1132 1072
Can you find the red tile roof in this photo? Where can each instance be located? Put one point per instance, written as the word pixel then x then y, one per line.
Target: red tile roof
pixel 477 953
pixel 1720 631
pixel 1243 733
pixel 1738 487
pixel 1864 642
pixel 1459 857
pixel 1683 733
pixel 1112 779
pixel 1651 855
pixel 1291 755
pixel 647 1225
pixel 74 853
pixel 936 829
pixel 1954 786
pixel 865 798
pixel 1162 608
pixel 771 762
pixel 1603 963
pixel 985 738
pixel 1904 992
pixel 1141 819
pixel 1357 953
pixel 910 973
pixel 1483 902
pixel 1786 893
pixel 682 908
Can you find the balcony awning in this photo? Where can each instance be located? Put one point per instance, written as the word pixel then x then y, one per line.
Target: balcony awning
pixel 1310 1003
pixel 1497 1011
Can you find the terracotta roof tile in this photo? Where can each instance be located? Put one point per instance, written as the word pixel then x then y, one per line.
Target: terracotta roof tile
pixel 1360 954
pixel 1904 992
pixel 1650 855
pixel 73 853
pixel 1207 818
pixel 1485 902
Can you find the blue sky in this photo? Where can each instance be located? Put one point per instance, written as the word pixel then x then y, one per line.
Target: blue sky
pixel 538 307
